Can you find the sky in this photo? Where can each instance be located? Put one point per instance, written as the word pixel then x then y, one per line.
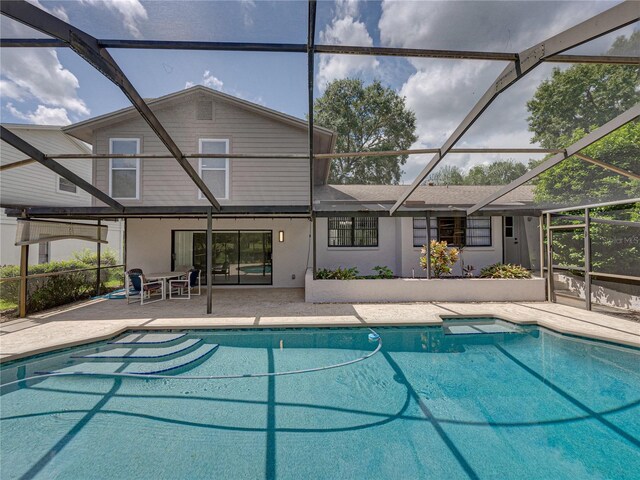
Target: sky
pixel 55 86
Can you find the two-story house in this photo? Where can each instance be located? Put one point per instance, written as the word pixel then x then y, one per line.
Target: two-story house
pixel 265 234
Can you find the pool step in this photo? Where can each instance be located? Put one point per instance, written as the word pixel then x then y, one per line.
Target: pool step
pixel 144 338
pixel 478 329
pixel 147 352
pixel 142 368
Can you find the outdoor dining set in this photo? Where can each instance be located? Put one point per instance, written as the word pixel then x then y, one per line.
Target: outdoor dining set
pixel 153 287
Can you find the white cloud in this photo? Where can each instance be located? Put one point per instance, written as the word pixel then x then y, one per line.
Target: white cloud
pixel 11 90
pixel 208 80
pixel 442 92
pixel 344 29
pixel 33 72
pixel 132 12
pixel 247 11
pixel 42 116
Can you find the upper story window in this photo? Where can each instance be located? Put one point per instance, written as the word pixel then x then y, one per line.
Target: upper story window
pixel 353 231
pixel 124 173
pixel 457 231
pixel 215 171
pixel 66 186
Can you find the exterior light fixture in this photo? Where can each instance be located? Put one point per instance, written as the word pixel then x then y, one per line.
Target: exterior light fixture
pixel 281 236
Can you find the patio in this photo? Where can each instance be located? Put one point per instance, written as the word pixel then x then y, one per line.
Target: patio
pixel 269 308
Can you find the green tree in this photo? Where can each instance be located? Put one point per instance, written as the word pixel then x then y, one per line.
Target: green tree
pixel 367 118
pixel 447 175
pixel 583 97
pixel 496 173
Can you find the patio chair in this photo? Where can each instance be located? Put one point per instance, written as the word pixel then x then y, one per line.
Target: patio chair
pixel 140 287
pixel 188 282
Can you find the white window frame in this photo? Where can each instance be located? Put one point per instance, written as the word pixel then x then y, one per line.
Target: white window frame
pixel 137 140
pixel 226 166
pixel 64 192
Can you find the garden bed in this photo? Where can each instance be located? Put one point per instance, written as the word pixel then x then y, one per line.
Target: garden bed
pixel 424 290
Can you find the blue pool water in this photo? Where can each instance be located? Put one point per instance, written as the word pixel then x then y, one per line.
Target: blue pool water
pixel 480 399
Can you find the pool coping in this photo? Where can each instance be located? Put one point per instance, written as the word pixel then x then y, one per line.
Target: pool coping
pixel 433 319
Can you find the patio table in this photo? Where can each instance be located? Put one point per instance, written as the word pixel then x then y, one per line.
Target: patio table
pixel 164 276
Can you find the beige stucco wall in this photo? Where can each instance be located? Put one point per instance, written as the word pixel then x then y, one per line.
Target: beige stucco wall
pixel 148 244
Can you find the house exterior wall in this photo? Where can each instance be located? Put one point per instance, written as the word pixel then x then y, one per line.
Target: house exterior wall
pixel 252 181
pixel 364 258
pixel 148 243
pixel 395 250
pixel 34 184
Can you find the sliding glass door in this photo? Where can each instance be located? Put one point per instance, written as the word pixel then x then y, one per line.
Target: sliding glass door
pixel 240 257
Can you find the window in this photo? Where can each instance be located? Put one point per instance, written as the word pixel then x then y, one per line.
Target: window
pixel 124 173
pixel 459 231
pixel 215 171
pixel 508 227
pixel 43 252
pixel 66 186
pixel 353 231
pixel 420 231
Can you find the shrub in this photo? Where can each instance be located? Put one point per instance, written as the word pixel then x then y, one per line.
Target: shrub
pixel 383 272
pixel 337 274
pixel 505 270
pixel 56 290
pixel 442 258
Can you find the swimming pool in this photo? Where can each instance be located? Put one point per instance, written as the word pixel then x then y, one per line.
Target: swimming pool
pixel 470 399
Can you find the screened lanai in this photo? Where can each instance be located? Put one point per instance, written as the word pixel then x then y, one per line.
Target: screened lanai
pixel 467 127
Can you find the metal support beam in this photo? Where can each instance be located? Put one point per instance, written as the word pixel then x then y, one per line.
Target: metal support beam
pixel 311 36
pixel 24 272
pixel 584 142
pixel 209 261
pixel 90 50
pixel 428 245
pixel 321 49
pixel 550 286
pixel 315 250
pixel 608 166
pixel 541 240
pixel 619 16
pixel 28 149
pixel 587 260
pixel 98 261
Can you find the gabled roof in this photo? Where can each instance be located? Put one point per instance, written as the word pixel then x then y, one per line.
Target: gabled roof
pixel 82 129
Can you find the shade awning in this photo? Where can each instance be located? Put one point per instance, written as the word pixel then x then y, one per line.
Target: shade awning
pixel 40 231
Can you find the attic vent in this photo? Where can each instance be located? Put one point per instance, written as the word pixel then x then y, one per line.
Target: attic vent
pixel 204 110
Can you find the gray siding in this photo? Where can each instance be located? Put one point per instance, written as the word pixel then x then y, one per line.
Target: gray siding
pixel 252 181
pixel 34 184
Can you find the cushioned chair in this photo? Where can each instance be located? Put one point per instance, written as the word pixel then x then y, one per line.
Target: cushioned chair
pixel 140 287
pixel 188 282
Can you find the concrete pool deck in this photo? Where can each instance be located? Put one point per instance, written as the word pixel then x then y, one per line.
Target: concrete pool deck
pixel 268 308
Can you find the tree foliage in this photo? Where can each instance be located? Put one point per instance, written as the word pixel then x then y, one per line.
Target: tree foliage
pixel 571 104
pixel 583 97
pixel 366 118
pixel 497 173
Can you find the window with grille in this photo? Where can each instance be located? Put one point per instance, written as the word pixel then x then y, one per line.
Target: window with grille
pixel 457 231
pixel 215 171
pixel 353 231
pixel 124 178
